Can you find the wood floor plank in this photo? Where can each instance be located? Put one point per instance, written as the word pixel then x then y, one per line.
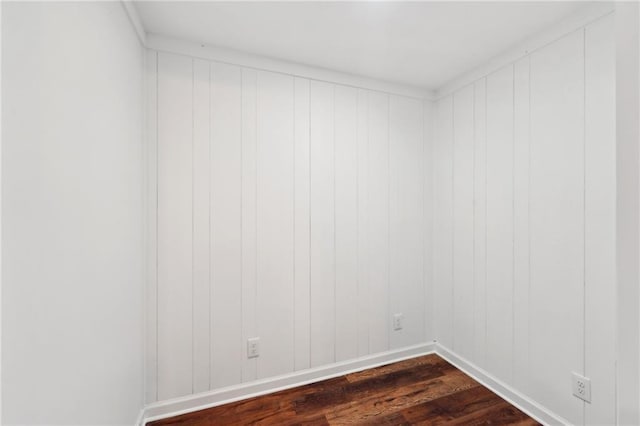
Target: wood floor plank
pixel 324 397
pixel 423 390
pixel 396 399
pixel 502 413
pixel 431 360
pixel 393 419
pixel 450 407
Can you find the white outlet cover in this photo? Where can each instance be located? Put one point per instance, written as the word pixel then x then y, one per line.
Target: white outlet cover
pixel 253 347
pixel 397 321
pixel 581 387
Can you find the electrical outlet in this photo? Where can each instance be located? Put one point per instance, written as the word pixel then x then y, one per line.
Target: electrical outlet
pixel 582 387
pixel 253 347
pixel 397 321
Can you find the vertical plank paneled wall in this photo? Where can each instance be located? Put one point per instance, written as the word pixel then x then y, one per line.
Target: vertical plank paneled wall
pixel 525 223
pixel 289 209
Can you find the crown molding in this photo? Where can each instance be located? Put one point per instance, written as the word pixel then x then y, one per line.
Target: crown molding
pixel 584 17
pixel 163 43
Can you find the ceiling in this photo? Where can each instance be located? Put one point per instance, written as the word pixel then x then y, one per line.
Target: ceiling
pixel 423 44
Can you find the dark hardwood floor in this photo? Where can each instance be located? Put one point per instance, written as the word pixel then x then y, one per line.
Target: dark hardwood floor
pixel 420 391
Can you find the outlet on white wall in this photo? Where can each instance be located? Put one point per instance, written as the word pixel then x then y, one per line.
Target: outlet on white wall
pixel 582 387
pixel 397 321
pixel 253 347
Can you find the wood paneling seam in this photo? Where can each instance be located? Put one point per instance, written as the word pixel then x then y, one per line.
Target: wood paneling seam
pixel 209 205
pixel 584 213
pixel 453 218
pixel 513 223
pixel 309 176
pixel 295 281
pixel 473 216
pixel 157 369
pixel 335 258
pixel 486 214
pixel 388 316
pixel 193 136
pixel 242 324
pixel 529 220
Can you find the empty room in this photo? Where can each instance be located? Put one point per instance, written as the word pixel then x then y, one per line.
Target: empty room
pixel 319 213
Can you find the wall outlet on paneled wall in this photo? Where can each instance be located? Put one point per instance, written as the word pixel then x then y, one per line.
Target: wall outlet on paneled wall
pixel 253 347
pixel 581 387
pixel 397 321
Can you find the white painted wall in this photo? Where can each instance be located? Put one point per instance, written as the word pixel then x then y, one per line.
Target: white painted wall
pixel 1 133
pixel 525 222
pixel 299 211
pixel 628 210
pixel 289 209
pixel 72 297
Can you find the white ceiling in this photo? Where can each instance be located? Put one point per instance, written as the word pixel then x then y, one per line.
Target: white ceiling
pixel 424 44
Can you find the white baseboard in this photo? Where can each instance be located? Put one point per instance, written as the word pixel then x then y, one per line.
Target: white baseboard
pixel 187 404
pixel 505 391
pixel 140 419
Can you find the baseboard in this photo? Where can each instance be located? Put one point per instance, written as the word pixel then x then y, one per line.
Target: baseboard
pixel 177 406
pixel 505 391
pixel 187 404
pixel 140 419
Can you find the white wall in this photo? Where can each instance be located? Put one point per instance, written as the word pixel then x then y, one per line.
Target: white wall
pixel 525 222
pixel 72 324
pixel 289 209
pixel 628 210
pixel 298 211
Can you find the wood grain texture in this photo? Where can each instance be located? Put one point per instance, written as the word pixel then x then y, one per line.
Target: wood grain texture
pixel 422 390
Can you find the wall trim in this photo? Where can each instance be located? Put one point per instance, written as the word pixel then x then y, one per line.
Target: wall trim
pixel 191 403
pixel 524 403
pixel 134 18
pixel 572 23
pixel 187 404
pixel 140 418
pixel 235 57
